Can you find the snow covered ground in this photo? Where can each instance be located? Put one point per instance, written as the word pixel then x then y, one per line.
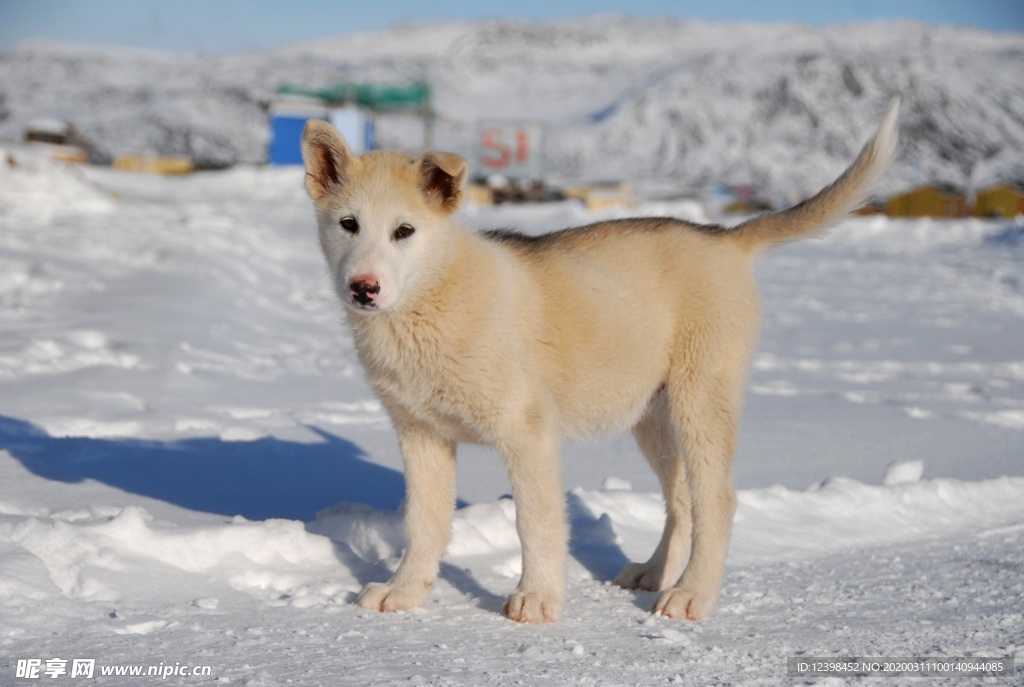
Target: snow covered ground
pixel 194 473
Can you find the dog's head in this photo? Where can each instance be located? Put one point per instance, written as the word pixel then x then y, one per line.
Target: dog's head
pixel 383 216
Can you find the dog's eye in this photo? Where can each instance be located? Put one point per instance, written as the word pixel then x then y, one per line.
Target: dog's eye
pixel 350 225
pixel 404 232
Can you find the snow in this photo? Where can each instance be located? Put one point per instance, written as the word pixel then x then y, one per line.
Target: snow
pixel 193 469
pixel 906 472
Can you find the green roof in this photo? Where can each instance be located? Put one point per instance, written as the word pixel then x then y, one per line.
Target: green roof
pixel 410 97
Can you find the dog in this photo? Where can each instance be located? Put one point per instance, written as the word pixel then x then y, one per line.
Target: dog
pixel 520 342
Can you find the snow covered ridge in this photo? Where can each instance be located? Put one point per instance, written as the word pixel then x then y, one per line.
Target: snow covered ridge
pixel 92 554
pixel 782 107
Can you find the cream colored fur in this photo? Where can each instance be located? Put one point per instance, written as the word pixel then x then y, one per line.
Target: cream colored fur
pixel 645 324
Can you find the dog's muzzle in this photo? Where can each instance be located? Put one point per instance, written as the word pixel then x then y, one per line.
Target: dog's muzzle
pixel 364 291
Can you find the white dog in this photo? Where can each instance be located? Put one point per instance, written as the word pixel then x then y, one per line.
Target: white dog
pixel 521 342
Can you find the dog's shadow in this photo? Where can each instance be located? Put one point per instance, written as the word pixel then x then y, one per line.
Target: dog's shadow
pixel 261 479
pixel 268 478
pixel 593 542
pixel 258 480
pixel 594 545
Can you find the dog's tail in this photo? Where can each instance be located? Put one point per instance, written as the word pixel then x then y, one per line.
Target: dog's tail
pixel 832 203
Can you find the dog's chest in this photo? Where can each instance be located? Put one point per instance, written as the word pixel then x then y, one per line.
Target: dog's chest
pixel 417 373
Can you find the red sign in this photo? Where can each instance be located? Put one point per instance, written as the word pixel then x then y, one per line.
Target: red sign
pixel 511 149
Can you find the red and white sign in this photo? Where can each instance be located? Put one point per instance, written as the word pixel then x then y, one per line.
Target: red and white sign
pixel 511 149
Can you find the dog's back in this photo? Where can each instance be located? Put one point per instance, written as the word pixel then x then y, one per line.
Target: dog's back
pixel 606 305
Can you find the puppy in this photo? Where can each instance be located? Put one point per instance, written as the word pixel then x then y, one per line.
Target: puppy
pixel 521 342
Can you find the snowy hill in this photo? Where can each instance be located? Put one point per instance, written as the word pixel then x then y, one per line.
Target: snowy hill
pixel 783 106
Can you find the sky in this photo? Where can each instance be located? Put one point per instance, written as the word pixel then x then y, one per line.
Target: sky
pixel 206 27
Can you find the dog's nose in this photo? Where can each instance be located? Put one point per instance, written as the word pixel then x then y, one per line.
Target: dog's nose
pixel 364 290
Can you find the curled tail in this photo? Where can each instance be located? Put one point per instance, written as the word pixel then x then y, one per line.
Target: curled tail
pixel 834 202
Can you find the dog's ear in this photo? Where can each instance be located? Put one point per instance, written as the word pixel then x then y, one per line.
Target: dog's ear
pixel 326 156
pixel 443 178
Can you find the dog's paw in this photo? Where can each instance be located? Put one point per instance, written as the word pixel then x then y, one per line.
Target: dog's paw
pixel 647 576
pixel 533 607
pixel 682 602
pixel 388 596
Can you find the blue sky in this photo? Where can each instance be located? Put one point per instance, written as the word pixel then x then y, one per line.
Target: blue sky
pixel 224 26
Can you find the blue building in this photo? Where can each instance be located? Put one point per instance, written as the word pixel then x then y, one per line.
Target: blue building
pixel 288 117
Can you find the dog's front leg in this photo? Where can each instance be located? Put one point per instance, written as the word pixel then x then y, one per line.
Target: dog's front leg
pixel 429 503
pixel 535 473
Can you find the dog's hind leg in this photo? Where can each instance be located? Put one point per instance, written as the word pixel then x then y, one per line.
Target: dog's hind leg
pixel 657 441
pixel 705 398
pixel 429 504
